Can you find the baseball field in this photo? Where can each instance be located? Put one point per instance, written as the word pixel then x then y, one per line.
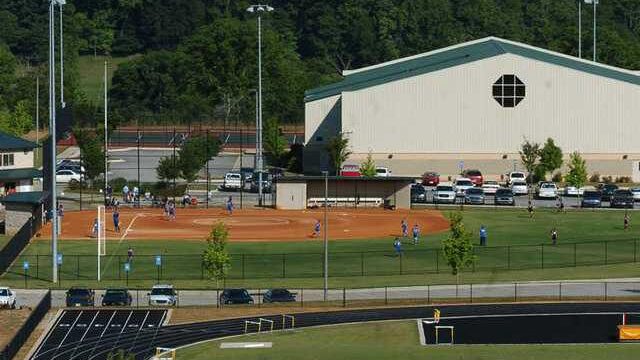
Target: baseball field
pixel 276 248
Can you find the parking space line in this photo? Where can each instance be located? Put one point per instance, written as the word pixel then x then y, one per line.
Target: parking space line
pixel 90 324
pixel 126 322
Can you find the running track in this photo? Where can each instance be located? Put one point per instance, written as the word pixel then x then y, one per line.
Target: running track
pixel 79 342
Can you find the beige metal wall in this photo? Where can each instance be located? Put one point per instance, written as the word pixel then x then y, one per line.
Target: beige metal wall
pixel 291 196
pixel 322 121
pixel 21 160
pixel 452 111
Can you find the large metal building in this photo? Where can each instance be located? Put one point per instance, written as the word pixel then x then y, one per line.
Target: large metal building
pixel 472 105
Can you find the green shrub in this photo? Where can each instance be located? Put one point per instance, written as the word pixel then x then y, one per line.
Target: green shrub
pixel 557 177
pixel 595 178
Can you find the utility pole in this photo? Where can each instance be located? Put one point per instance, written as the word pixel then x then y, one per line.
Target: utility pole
pixel 326 237
pixel 580 29
pixel 258 9
pixel 52 125
pixel 62 104
pixel 38 109
pixel 106 144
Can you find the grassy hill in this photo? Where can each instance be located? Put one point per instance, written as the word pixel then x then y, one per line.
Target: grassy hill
pixel 92 73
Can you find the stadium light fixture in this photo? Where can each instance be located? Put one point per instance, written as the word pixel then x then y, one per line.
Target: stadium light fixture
pixel 259 9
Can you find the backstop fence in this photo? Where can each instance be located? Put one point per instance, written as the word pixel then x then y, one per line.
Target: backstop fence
pixel 341 264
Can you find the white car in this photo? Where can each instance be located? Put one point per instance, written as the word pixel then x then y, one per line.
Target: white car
pixel 461 185
pixel 7 298
pixel 67 176
pixel 163 295
pixel 519 188
pixel 636 194
pixel 444 193
pixel 490 187
pixel 383 172
pixel 516 176
pixel 232 181
pixel 573 191
pixel 547 190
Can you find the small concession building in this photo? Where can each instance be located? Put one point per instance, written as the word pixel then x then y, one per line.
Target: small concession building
pixel 301 192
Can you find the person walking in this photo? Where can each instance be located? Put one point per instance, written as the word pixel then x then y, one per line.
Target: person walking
pixel 116 220
pixel 397 245
pixel 483 235
pixel 129 254
pixel 230 205
pixel 554 236
pixel 316 229
pixel 626 221
pixel 530 209
pixel 416 234
pixel 125 193
pixel 404 226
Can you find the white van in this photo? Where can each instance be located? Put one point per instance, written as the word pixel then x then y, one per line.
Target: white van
pixel 232 181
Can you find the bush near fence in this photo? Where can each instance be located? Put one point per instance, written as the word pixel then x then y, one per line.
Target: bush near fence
pixel 342 264
pixel 21 336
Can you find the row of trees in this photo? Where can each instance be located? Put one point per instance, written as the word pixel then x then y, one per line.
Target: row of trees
pixel 542 160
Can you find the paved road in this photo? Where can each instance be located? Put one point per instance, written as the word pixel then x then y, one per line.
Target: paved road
pixel 596 289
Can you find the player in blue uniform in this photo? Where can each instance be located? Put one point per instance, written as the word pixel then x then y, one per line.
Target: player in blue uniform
pixel 230 205
pixel 316 229
pixel 416 234
pixel 405 228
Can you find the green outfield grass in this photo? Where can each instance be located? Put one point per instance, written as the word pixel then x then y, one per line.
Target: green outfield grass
pixel 370 262
pixel 391 340
pixel 3 240
pixel 91 71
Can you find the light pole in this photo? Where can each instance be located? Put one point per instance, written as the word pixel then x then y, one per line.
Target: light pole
pixel 580 29
pixel 595 5
pixel 259 9
pixel 52 126
pixel 326 232
pixel 62 104
pixel 106 146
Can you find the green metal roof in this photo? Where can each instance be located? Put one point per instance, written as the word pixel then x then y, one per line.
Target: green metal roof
pixel 18 174
pixel 10 142
pixel 458 55
pixel 29 197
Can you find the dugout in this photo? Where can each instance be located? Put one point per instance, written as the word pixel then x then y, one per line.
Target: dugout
pixel 21 208
pixel 300 192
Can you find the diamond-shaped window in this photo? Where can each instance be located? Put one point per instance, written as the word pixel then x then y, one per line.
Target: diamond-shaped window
pixel 508 90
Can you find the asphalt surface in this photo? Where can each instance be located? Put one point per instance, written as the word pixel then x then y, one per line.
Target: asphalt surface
pixel 533 328
pixel 600 290
pixel 142 341
pixel 101 328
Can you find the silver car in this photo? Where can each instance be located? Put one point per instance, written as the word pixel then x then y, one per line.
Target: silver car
pixel 444 194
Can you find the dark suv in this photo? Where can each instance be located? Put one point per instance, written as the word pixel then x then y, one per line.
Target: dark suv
pixel 278 295
pixel 235 296
pixel 80 297
pixel 607 191
pixel 622 199
pixel 418 194
pixel 116 297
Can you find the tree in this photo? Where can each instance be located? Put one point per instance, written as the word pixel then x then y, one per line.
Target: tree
pixel 458 246
pixel 194 153
pixel 22 121
pixel 338 148
pixel 577 175
pixel 92 152
pixel 368 167
pixel 275 144
pixel 550 158
pixel 216 259
pixel 168 168
pixel 529 155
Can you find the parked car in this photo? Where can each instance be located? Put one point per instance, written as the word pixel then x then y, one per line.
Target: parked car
pixel 591 198
pixel 461 185
pixel 7 298
pixel 504 196
pixel 68 176
pixel 636 194
pixel 430 178
pixel 546 190
pixel 474 175
pixel 232 181
pixel 490 187
pixel 418 194
pixel 163 295
pixel 235 296
pixel 383 171
pixel 573 191
pixel 607 191
pixel 474 196
pixel 350 171
pixel 519 187
pixel 444 194
pixel 247 173
pixel 622 198
pixel 77 296
pixel 266 185
pixel 516 176
pixel 116 297
pixel 278 295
